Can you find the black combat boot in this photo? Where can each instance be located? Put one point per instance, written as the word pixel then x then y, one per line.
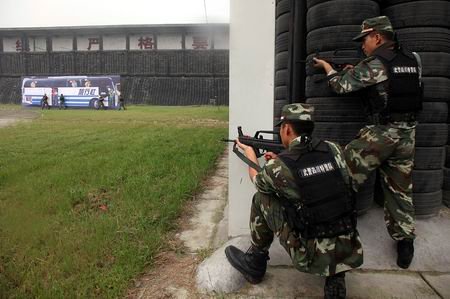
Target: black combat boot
pixel 405 253
pixel 252 264
pixel 335 286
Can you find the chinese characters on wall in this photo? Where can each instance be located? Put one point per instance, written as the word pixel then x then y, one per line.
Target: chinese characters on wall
pixel 199 42
pixel 145 43
pixel 140 41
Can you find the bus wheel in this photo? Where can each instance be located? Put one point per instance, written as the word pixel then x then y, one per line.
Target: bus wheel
pixel 93 103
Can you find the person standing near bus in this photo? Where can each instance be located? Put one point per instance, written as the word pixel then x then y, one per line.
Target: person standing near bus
pixel 44 102
pixel 122 103
pixel 62 102
pixel 101 105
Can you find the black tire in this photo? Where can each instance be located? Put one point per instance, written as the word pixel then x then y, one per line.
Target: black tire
pixel 419 13
pixel 311 3
pixel 281 77
pixel 427 204
pixel 280 93
pixel 447 156
pixel 425 181
pixel 433 112
pixel 332 38
pixel 282 42
pixel 431 134
pixel 341 133
pixel 446 184
pixel 283 7
pixel 277 106
pixel 387 3
pixel 446 198
pixel 429 158
pixel 282 24
pixel 435 64
pixel 337 109
pixel 338 56
pixel 436 89
pixel 425 39
pixel 281 60
pixel 340 12
pixel 92 103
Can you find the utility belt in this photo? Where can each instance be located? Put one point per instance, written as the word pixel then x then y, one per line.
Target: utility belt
pixel 383 119
pixel 307 230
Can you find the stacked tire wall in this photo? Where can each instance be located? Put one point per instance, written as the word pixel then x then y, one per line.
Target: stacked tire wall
pixel 331 25
pixel 168 77
pixel 290 50
pixel 422 26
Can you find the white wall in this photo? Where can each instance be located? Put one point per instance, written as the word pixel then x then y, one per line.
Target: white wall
pixel 37 44
pixel 63 43
pixel 221 41
pixel 252 43
pixel 114 42
pixel 168 41
pixel 12 44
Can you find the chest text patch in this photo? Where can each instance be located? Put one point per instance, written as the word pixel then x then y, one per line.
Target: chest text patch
pixel 316 170
pixel 404 70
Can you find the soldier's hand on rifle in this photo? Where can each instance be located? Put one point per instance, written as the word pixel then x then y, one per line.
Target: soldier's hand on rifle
pixel 348 67
pixel 242 146
pixel 269 156
pixel 320 63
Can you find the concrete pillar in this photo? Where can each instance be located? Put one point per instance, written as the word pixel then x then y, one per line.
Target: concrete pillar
pixel 252 43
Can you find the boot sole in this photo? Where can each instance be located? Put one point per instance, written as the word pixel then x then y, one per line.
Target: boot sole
pixel 248 277
pixel 404 266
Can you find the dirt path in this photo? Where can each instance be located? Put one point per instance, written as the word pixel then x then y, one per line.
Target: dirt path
pixel 11 116
pixel 172 275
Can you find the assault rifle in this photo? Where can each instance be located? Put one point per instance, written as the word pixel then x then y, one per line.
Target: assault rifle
pixel 259 144
pixel 338 59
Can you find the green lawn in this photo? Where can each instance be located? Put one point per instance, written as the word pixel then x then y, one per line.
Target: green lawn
pixel 86 196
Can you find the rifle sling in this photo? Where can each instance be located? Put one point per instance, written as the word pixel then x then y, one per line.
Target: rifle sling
pixel 245 159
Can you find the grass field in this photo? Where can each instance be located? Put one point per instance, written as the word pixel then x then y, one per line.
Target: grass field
pixel 86 197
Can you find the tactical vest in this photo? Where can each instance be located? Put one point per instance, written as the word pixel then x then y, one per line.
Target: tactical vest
pixel 327 207
pixel 402 92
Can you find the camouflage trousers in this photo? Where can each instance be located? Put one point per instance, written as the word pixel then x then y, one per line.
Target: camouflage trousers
pixel 389 148
pixel 320 256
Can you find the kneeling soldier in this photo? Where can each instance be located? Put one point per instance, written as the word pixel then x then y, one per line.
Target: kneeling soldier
pixel 304 197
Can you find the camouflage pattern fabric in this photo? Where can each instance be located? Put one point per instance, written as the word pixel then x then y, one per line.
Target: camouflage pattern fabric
pixel 298 111
pixel 320 256
pixel 368 72
pixel 387 147
pixel 391 149
pixel 380 24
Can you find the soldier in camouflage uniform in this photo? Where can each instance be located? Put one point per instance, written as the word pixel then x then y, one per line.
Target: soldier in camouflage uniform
pixel 280 200
pixel 391 77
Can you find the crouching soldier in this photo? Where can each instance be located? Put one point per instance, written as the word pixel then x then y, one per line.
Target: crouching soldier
pixel 304 197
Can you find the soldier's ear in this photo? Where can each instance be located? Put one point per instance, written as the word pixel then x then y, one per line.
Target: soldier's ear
pixel 289 129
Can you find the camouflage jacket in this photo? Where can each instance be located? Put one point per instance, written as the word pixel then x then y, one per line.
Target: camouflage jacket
pixel 320 256
pixel 368 72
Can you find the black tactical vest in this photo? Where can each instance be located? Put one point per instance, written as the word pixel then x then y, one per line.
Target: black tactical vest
pixel 402 92
pixel 327 205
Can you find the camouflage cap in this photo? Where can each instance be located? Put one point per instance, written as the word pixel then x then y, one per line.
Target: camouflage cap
pixel 297 112
pixel 380 24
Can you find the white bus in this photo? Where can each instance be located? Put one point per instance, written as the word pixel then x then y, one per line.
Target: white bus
pixel 78 91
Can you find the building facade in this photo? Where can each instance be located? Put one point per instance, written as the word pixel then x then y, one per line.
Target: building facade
pixel 158 64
